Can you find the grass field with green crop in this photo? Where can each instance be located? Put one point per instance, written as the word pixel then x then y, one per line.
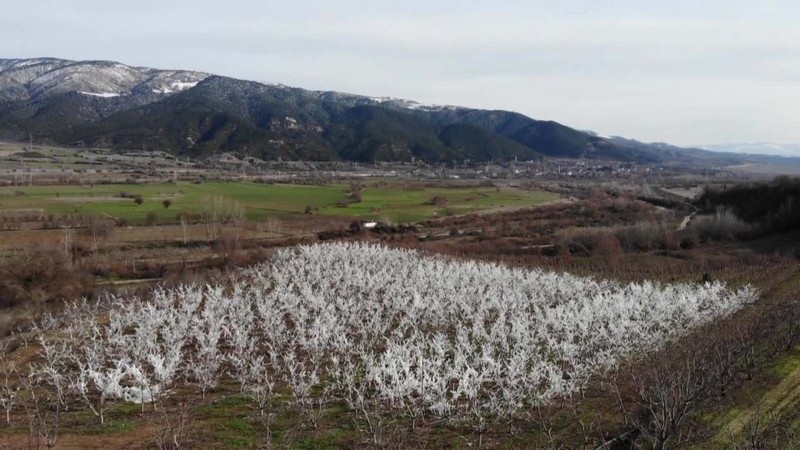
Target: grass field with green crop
pixel 399 204
pixel 394 203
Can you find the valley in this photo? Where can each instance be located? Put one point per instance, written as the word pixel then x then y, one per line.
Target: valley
pixel 195 261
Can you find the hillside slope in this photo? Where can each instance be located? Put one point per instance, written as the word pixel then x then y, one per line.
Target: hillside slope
pixel 108 104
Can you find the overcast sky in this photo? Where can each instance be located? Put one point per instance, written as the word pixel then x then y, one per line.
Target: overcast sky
pixel 684 72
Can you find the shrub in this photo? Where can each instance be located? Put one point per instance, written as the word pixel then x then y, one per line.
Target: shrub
pixel 723 225
pixel 356 227
pixel 355 193
pixel 151 219
pixel 437 200
pixel 99 228
pixel 688 240
pixel 599 242
pixel 41 275
pixel 643 236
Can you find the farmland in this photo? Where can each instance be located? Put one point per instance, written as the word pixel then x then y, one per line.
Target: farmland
pixel 247 312
pixel 391 356
pixel 393 203
pixel 322 383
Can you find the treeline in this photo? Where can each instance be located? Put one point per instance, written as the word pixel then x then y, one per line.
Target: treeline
pixel 769 206
pixel 738 213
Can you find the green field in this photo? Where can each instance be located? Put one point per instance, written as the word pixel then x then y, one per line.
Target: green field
pixel 397 204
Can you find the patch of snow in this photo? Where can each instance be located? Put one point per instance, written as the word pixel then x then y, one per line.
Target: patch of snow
pixel 598 135
pixel 101 94
pixel 176 86
pixel 410 104
pixel 183 85
pixel 384 99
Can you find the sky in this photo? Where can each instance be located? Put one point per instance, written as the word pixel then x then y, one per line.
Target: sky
pixel 684 72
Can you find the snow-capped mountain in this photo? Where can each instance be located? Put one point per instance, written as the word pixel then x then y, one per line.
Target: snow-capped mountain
pixel 109 104
pixel 22 79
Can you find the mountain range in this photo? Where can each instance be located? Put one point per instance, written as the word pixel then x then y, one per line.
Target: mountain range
pixel 113 105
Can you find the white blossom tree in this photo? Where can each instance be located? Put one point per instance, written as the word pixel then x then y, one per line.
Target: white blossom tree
pixel 389 332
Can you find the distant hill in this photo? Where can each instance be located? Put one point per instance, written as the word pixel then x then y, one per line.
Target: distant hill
pixel 108 104
pixel 758 148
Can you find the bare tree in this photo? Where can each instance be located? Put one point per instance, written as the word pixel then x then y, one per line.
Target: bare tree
pixel 8 393
pixel 752 436
pixel 44 414
pixel 218 211
pixel 237 221
pixel 211 216
pixel 668 392
pixel 183 227
pixel 175 427
pixel 99 231
pixel 66 241
pixel 723 360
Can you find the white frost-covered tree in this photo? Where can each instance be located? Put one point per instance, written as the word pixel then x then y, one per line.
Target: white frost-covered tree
pixel 387 331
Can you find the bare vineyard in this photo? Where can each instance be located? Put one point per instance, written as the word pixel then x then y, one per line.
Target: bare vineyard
pixel 386 332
